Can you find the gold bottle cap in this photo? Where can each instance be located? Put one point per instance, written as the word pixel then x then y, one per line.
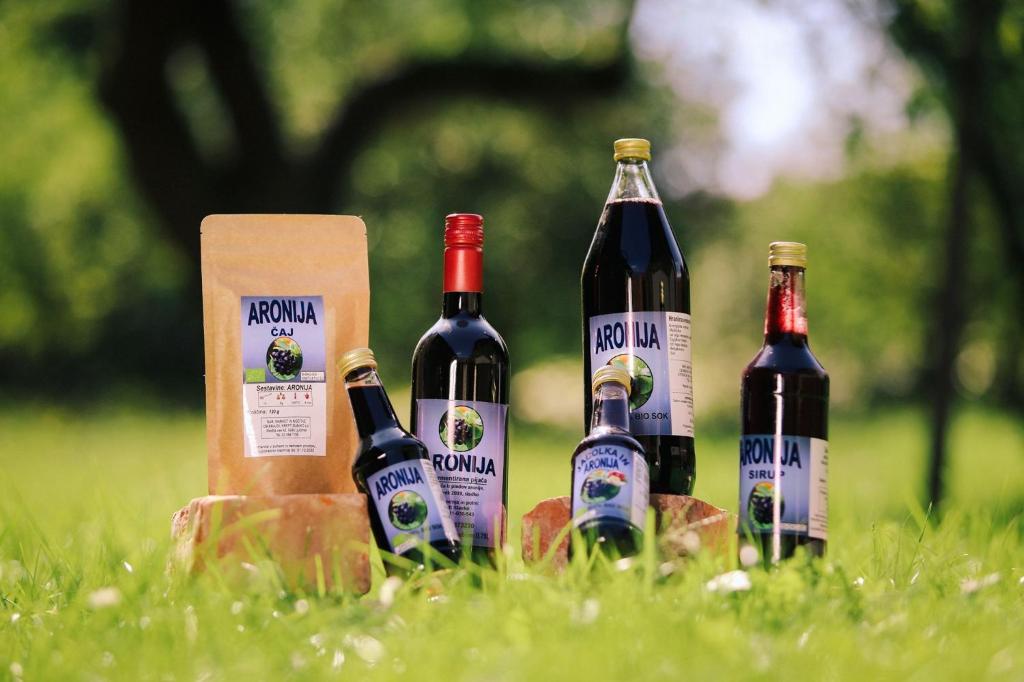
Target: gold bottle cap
pixel 632 148
pixel 612 373
pixel 787 253
pixel 355 359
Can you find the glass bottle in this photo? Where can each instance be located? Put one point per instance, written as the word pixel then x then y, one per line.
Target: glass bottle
pixel 610 484
pixel 784 413
pixel 636 313
pixel 460 392
pixel 406 505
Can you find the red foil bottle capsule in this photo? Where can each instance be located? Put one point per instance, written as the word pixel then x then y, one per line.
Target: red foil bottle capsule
pixel 463 252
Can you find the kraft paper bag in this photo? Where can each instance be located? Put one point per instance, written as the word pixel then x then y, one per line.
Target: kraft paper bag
pixel 283 297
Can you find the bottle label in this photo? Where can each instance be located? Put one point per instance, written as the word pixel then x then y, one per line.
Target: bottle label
pixel 467 444
pixel 801 485
pixel 655 348
pixel 284 383
pixel 410 505
pixel 610 482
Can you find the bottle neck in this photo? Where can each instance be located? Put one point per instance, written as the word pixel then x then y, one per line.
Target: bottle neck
pixel 786 315
pixel 633 181
pixel 463 269
pixel 462 303
pixel 370 404
pixel 611 408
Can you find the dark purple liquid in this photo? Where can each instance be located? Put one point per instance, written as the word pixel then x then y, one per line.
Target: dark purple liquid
pixel 613 536
pixel 464 339
pixel 785 367
pixel 634 264
pixel 383 443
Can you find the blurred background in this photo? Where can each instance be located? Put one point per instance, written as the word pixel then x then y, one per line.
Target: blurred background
pixel 886 134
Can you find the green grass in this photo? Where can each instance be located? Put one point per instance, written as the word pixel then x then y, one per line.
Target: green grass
pixel 85 503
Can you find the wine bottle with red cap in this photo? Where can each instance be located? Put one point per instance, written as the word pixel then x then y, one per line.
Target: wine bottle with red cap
pixel 460 387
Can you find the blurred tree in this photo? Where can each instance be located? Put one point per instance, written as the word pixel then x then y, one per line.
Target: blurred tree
pixel 507 109
pixel 262 174
pixel 972 51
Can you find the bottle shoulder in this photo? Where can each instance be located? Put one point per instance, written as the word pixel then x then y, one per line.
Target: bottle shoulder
pixel 608 437
pixel 635 236
pixel 786 356
pixel 783 370
pixel 386 448
pixel 464 338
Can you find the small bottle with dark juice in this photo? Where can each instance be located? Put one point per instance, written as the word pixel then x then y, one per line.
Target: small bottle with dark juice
pixel 784 412
pixel 406 505
pixel 610 481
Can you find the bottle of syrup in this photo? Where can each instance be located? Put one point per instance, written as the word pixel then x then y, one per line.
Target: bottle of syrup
pixel 406 505
pixel 610 483
pixel 636 313
pixel 784 412
pixel 460 382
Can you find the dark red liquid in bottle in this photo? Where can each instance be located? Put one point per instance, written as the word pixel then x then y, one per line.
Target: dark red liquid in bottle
pixel 784 393
pixel 634 264
pixel 461 363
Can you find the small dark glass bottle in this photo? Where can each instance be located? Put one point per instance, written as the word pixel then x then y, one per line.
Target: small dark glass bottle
pixel 610 481
pixel 460 382
pixel 393 469
pixel 636 313
pixel 784 413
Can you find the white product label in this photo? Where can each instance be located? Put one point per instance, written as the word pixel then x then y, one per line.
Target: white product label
pixel 467 441
pixel 655 348
pixel 801 485
pixel 610 482
pixel 284 382
pixel 410 505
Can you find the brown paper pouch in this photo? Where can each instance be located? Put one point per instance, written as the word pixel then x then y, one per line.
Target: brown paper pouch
pixel 283 297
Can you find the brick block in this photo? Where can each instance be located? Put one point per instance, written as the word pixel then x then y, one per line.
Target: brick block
pixel 685 526
pixel 293 530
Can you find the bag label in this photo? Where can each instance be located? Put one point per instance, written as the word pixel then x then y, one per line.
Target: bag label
pixel 654 347
pixel 284 382
pixel 410 505
pixel 801 485
pixel 610 481
pixel 467 444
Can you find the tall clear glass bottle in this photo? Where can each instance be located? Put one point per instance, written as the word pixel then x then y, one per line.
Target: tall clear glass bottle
pixel 636 313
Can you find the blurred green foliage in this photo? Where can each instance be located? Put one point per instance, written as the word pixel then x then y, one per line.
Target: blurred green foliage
pixel 91 288
pixel 79 252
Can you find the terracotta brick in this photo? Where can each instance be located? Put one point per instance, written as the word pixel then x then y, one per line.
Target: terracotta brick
pixel 540 526
pixel 685 526
pixel 290 529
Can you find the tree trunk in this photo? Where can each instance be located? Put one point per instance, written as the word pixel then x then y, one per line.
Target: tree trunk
pixel 948 314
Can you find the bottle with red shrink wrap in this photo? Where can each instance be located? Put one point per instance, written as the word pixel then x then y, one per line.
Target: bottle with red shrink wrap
pixel 460 392
pixel 784 414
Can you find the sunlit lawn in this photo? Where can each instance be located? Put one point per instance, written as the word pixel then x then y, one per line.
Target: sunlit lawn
pixel 85 503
